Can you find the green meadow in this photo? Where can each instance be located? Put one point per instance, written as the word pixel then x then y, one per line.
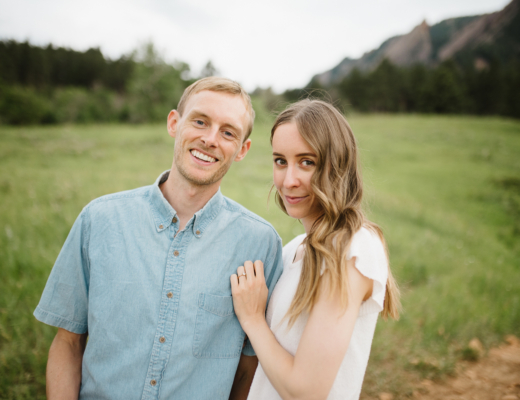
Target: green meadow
pixel 445 190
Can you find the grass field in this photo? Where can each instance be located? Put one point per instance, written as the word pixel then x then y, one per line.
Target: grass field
pixel 446 191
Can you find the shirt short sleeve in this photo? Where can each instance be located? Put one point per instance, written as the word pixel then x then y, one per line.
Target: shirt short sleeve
pixel 273 268
pixel 371 261
pixel 64 302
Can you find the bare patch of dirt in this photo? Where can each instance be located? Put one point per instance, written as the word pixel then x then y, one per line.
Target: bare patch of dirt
pixel 493 377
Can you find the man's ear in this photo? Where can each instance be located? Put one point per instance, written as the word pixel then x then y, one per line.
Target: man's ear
pixel 173 122
pixel 243 150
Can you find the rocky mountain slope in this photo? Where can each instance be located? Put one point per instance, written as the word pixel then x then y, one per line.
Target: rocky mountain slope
pixel 477 39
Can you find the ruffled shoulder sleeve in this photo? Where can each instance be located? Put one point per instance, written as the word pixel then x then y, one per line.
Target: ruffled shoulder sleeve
pixel 371 261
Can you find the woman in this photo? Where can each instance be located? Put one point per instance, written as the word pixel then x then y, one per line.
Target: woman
pixel 322 314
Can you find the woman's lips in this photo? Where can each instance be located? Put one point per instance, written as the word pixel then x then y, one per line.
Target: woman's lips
pixel 294 200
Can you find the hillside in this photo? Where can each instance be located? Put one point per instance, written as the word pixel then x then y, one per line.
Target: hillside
pixel 478 40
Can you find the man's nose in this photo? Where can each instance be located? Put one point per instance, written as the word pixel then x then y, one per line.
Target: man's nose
pixel 210 137
pixel 291 178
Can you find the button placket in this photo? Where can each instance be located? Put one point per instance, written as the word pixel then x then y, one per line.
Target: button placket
pixel 167 315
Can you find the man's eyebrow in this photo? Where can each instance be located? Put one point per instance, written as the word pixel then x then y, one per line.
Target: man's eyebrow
pixel 233 127
pixel 197 113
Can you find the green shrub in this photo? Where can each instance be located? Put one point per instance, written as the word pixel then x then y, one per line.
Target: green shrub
pixel 23 106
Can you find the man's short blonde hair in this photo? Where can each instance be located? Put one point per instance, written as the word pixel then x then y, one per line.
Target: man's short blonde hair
pixel 217 84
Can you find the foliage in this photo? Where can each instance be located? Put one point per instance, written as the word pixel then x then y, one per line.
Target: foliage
pixel 57 85
pixel 155 87
pixel 21 105
pixel 26 65
pixel 445 89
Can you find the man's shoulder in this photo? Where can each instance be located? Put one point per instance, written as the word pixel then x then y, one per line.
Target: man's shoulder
pixel 249 216
pixel 111 200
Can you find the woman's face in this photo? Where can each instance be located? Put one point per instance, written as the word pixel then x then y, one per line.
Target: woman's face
pixel 294 164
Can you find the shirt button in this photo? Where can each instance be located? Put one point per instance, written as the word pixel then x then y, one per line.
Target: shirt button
pixel 198 232
pixel 175 253
pixel 160 227
pixel 162 339
pixel 169 295
pixel 174 220
pixel 153 382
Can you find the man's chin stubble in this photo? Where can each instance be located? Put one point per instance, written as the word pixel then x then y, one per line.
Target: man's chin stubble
pixel 218 175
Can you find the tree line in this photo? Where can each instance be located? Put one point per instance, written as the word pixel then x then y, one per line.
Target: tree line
pixel 58 85
pixel 492 89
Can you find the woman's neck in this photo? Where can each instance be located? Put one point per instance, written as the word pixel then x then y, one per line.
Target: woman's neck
pixel 308 221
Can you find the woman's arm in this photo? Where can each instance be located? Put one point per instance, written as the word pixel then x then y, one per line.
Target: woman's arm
pixel 312 371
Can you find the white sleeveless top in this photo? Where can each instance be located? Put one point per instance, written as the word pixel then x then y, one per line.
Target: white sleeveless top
pixel 371 262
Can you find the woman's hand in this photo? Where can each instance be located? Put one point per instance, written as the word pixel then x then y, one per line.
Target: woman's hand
pixel 249 294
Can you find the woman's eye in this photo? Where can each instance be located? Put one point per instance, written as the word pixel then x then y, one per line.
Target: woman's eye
pixel 279 161
pixel 308 163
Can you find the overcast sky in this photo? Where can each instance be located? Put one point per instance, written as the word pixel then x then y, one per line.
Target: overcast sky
pixel 277 43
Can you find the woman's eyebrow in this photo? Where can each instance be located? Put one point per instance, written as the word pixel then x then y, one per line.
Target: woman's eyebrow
pixel 278 154
pixel 306 155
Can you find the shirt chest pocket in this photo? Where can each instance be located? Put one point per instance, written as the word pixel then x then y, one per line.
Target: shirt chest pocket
pixel 218 333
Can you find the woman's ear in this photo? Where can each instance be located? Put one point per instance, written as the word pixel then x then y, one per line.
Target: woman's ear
pixel 172 123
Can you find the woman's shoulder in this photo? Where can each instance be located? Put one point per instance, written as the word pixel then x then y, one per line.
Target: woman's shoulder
pixel 367 242
pixel 371 260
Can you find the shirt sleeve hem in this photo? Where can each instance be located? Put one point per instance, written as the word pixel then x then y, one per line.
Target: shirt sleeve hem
pixel 248 350
pixel 59 322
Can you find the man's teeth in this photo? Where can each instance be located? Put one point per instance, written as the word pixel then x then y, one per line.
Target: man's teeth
pixel 202 157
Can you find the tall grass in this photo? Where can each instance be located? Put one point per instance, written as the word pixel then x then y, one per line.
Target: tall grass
pixel 446 191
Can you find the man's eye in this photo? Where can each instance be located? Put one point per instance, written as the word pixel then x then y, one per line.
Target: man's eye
pixel 199 122
pixel 279 161
pixel 228 134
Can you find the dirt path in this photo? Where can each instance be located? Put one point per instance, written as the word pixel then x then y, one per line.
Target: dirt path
pixel 494 377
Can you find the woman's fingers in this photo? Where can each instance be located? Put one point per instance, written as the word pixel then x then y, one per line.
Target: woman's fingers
pixel 250 270
pixel 259 269
pixel 234 283
pixel 240 274
pixel 249 273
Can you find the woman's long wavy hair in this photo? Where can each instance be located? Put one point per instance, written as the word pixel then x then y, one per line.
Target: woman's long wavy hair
pixel 338 189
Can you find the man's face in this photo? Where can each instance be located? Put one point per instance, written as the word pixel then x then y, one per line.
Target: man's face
pixel 208 136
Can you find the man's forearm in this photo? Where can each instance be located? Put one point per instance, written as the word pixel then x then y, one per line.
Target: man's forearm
pixel 64 366
pixel 243 378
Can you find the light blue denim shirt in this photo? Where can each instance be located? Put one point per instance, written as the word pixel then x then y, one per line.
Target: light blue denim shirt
pixel 156 302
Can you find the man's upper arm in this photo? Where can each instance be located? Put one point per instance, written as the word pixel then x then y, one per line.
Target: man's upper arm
pixel 274 263
pixel 273 268
pixel 65 298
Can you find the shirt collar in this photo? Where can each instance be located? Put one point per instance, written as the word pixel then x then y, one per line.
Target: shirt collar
pixel 164 215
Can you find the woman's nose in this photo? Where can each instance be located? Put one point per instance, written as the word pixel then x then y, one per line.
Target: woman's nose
pixel 291 178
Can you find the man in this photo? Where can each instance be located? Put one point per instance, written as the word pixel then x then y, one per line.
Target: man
pixel 146 273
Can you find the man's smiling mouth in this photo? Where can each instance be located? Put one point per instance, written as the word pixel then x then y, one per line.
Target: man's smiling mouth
pixel 203 157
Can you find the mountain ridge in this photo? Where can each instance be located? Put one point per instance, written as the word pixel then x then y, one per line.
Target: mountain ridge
pixel 461 38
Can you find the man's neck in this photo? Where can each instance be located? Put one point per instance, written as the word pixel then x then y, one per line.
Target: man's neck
pixel 185 197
